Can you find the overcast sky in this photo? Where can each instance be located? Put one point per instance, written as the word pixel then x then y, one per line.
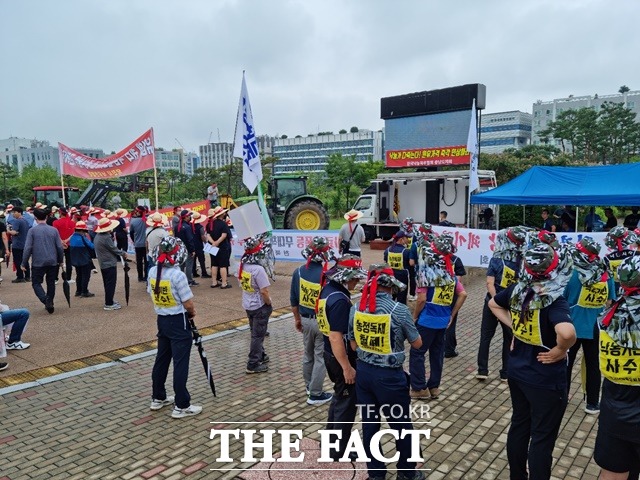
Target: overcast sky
pixel 92 73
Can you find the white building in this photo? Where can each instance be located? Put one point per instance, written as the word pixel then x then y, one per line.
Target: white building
pixel 217 155
pixel 19 152
pixel 547 111
pixel 169 160
pixel 499 131
pixel 310 154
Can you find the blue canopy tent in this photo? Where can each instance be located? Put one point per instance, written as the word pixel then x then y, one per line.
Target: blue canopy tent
pixel 602 185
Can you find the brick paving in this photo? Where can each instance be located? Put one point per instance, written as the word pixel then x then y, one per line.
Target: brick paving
pixel 97 425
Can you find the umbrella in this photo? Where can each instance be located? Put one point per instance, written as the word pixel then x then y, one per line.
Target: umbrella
pixel 127 283
pixel 197 338
pixel 65 288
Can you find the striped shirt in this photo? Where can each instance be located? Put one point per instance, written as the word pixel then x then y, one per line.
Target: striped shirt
pixel 174 290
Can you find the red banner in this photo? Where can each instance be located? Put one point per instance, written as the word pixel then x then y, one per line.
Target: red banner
pixel 138 156
pixel 428 157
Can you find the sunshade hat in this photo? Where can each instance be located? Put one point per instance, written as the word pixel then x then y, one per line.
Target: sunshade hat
pixel 380 274
pixel 8 208
pixel 119 213
pixel 54 209
pixel 318 250
pixel 157 219
pixel 170 251
pixel 353 215
pixel 216 212
pixel 196 217
pixel 40 205
pixel 348 267
pixel 106 225
pixel 81 226
pixel 93 211
pixel 619 238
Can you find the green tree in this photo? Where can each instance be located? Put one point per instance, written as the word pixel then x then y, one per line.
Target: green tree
pixel 354 129
pixel 344 174
pixel 342 131
pixel 618 133
pixel 33 176
pixel 623 89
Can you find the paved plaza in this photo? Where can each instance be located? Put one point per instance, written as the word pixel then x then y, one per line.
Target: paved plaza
pixel 76 404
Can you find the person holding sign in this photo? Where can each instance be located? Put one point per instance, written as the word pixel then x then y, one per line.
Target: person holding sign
pixel 589 289
pixel 378 329
pixel 173 302
pixel 332 313
pixel 256 301
pixel 219 236
pixel 397 256
pixel 305 290
pixel 541 322
pixel 440 297
pixel 617 449
pixel 503 271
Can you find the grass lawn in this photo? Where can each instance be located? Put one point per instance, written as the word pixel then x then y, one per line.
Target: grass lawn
pixel 336 223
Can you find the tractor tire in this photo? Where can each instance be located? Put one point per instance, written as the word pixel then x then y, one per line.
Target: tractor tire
pixel 307 215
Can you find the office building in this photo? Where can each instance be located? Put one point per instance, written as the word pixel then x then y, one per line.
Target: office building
pixel 168 160
pixel 499 131
pixel 548 111
pixel 20 152
pixel 217 155
pixel 310 154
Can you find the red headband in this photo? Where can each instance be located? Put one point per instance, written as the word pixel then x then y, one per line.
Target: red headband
pixel 168 256
pixel 512 237
pixel 549 269
pixel 350 263
pixel 447 258
pixel 255 249
pixel 371 289
pixel 590 255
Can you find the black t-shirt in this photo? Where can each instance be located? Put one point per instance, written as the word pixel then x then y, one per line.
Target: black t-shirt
pixel 611 222
pixel 620 410
pixel 3 229
pixel 523 362
pixel 337 309
pixel 220 227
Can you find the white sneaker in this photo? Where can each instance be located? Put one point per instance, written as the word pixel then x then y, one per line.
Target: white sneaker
pixel 18 346
pixel 158 404
pixel 190 411
pixel 115 306
pixel 71 281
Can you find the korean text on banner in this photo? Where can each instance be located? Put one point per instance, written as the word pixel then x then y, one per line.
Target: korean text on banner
pixel 472 147
pixel 246 144
pixel 136 157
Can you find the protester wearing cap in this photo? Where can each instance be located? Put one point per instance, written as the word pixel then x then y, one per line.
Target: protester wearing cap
pixel 397 256
pixel 254 275
pixel 407 226
pixel 18 230
pixel 28 216
pixel 122 240
pixel 137 232
pixel 53 215
pixel 219 235
pixel 503 270
pixel 92 222
pixel 65 227
pixel 543 333
pixel 424 235
pixel 617 449
pixel 199 237
pixel 332 314
pixel 185 231
pixel 154 234
pixel 440 297
pixel 351 235
pixel 621 241
pixel 108 258
pixel 378 328
pixel 82 254
pixel 44 244
pixel 306 283
pixel 173 302
pixel 587 292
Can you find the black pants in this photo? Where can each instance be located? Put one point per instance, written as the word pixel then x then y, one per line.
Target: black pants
pixel 122 242
pixel 591 358
pixel 83 275
pixel 412 281
pixel 535 423
pixel 67 265
pixel 401 296
pixel 200 257
pixel 17 262
pixel 487 331
pixel 450 340
pixel 342 411
pixel 109 278
pixel 141 262
pixel 40 274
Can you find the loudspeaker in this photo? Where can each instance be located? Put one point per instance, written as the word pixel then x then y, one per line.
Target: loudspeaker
pixel 434 101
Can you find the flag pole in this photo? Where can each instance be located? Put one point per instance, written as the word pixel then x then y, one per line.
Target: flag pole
pixel 155 170
pixel 64 196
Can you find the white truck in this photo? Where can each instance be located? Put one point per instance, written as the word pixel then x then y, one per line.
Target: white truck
pixel 392 197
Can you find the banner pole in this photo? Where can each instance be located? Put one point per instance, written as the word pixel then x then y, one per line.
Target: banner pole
pixel 155 170
pixel 64 193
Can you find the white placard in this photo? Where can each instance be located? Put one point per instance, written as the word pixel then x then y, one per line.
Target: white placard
pixel 210 249
pixel 247 220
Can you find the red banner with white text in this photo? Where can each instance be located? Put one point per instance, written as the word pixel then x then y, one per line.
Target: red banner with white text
pixel 137 157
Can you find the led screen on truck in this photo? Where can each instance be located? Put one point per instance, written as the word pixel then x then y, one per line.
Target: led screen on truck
pixel 427 140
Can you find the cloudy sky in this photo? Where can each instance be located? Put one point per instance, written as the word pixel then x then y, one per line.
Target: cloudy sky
pixel 97 73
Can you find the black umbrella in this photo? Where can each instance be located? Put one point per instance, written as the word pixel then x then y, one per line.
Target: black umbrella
pixel 127 283
pixel 65 287
pixel 197 338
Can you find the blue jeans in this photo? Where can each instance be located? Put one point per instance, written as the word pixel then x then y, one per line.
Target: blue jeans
pixel 18 318
pixel 433 341
pixel 375 387
pixel 174 343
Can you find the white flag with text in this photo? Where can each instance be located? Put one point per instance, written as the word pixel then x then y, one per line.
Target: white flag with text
pixel 472 148
pixel 246 143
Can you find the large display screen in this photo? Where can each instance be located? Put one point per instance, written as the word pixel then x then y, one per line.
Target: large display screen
pixel 427 140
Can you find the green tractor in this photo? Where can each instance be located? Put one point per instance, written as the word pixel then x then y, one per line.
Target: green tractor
pixel 290 206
